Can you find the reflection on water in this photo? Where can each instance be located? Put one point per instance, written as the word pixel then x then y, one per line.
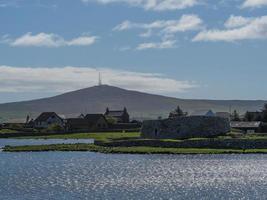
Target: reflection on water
pixel 85 175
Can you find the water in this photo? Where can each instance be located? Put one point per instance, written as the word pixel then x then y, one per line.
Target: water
pixel 85 175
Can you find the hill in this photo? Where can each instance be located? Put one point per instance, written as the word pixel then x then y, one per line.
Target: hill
pixel 140 105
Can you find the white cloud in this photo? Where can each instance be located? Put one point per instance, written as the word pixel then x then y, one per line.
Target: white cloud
pixel 166 29
pixel 156 5
pixel 49 40
pixel 167 44
pixel 82 41
pixel 243 29
pixel 185 23
pixel 64 79
pixel 237 21
pixel 254 3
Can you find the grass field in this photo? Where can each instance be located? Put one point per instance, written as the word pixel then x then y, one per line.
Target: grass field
pixel 4 131
pixel 97 136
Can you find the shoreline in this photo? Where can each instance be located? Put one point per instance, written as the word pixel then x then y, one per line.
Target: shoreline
pixel 132 143
pixel 128 150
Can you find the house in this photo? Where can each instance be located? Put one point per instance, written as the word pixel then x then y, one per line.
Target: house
pixel 90 122
pixel 225 115
pixel 207 113
pixel 248 127
pixel 96 121
pixel 121 116
pixel 46 119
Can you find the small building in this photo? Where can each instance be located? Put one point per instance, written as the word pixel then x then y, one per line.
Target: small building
pixel 90 122
pixel 207 113
pixel 121 116
pixel 248 127
pixel 47 119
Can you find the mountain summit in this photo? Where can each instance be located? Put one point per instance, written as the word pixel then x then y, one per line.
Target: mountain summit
pixel 96 99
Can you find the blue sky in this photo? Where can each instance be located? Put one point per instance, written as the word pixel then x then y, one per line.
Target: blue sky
pixel 199 49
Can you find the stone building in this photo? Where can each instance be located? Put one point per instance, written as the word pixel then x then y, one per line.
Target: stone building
pixel 185 127
pixel 121 116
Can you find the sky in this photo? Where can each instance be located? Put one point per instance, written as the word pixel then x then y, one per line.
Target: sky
pixel 193 49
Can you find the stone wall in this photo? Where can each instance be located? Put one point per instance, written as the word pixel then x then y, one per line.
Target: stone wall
pixel 208 143
pixel 185 127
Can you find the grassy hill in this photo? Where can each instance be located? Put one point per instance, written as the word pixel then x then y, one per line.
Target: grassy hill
pixel 96 99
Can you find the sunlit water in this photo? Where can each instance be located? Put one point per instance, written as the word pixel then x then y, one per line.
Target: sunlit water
pixel 85 175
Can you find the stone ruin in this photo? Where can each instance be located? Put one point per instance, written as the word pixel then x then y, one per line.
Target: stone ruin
pixel 185 127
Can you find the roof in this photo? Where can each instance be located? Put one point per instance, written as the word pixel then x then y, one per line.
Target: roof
pixel 255 124
pixel 46 115
pixel 203 113
pixel 77 121
pixel 91 118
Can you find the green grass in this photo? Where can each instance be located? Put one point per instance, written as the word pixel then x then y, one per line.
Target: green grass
pixel 3 131
pixel 127 150
pixel 97 136
pixel 134 135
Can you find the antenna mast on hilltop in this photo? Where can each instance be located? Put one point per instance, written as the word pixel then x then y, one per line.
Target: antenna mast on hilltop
pixel 99 79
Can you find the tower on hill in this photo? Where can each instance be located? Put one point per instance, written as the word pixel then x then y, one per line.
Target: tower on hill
pixel 99 79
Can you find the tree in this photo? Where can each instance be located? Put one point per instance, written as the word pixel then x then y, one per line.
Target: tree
pixel 178 112
pixel 248 117
pixel 111 120
pixel 264 113
pixel 235 116
pixel 27 119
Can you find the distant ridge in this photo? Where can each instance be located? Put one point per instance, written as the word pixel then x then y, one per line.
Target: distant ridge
pixel 140 105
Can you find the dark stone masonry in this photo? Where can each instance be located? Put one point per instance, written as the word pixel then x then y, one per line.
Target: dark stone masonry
pixel 185 127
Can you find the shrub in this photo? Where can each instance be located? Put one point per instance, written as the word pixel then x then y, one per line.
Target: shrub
pixel 55 128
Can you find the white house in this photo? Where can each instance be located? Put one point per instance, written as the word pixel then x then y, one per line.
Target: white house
pixel 47 119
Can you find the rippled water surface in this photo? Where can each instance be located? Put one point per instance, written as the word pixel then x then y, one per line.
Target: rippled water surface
pixel 85 175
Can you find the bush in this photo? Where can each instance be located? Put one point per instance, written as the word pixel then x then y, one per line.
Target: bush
pixel 111 120
pixel 55 128
pixel 235 134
